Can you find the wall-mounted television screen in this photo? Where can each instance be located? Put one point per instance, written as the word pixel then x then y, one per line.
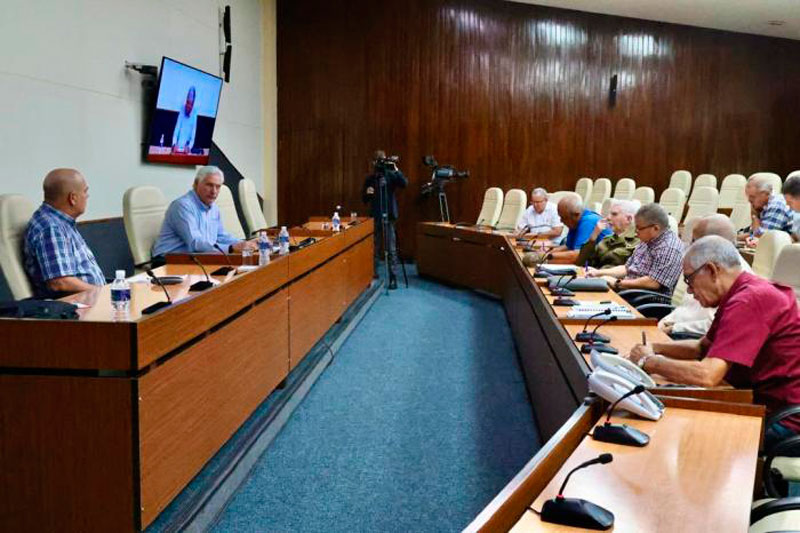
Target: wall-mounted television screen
pixel 184 117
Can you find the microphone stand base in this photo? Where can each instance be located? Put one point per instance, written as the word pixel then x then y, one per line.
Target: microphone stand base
pixel 558 291
pixel 200 286
pixel 620 434
pixel 602 348
pixel 588 336
pixel 222 271
pixel 576 513
pixel 566 302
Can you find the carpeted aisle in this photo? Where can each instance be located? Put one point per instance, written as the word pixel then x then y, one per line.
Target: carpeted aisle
pixel 419 421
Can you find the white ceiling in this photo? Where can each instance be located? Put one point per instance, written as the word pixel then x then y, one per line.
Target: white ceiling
pixel 745 16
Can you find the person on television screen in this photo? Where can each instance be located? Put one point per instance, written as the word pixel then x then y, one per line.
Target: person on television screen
pixel 186 125
pixel 193 223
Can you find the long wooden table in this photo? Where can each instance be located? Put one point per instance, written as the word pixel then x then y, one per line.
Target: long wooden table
pixel 555 373
pixel 105 419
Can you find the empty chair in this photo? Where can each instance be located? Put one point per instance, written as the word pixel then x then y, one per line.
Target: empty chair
pixel 793 173
pixel 556 197
pixel 600 192
pixel 768 248
pixel 227 212
pixel 681 179
pixel 607 206
pixel 673 224
pixel 625 189
pixel 774 179
pixel 732 187
pixel 15 213
pixel 645 195
pixel 514 206
pixel 673 200
pixel 786 269
pixel 705 180
pixel 251 209
pixel 584 188
pixel 688 228
pixel 492 205
pixel 143 210
pixel 704 201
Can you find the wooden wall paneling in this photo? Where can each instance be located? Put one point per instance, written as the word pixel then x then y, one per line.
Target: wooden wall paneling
pixel 193 403
pixel 66 454
pixel 519 95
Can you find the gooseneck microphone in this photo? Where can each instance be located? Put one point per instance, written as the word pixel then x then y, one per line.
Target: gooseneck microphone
pixel 158 305
pixel 600 346
pixel 621 433
pixel 585 336
pixel 200 285
pixel 560 287
pixel 574 511
pixel 223 271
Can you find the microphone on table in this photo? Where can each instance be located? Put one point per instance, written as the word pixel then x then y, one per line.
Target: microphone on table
pixel 600 346
pixel 574 511
pixel 621 433
pixel 200 285
pixel 538 271
pixel 158 305
pixel 223 271
pixel 560 288
pixel 585 336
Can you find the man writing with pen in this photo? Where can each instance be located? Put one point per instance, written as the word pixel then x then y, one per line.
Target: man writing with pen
pixel 541 218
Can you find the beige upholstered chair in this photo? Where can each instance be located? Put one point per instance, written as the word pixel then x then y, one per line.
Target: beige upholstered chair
pixel 705 180
pixel 492 206
pixel 787 268
pixel 600 192
pixel 555 197
pixel 732 188
pixel 625 189
pixel 607 206
pixel 673 200
pixel 645 195
pixel 143 210
pixel 704 201
pixel 793 174
pixel 688 228
pixel 769 246
pixel 251 209
pixel 227 212
pixel 741 213
pixel 673 224
pixel 584 188
pixel 774 179
pixel 15 213
pixel 681 179
pixel 514 206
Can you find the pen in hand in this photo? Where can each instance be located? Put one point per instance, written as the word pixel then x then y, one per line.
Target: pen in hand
pixel 644 339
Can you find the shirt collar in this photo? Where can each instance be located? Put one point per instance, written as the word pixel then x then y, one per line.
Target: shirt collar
pixel 740 280
pixel 198 201
pixel 658 240
pixel 58 214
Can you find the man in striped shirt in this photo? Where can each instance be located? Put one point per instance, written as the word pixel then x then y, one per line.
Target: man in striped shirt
pixel 57 259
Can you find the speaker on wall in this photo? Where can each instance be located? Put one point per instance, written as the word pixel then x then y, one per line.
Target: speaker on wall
pixel 612 91
pixel 226 63
pixel 226 24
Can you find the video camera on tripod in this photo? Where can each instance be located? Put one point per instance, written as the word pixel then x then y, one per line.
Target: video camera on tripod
pixel 440 176
pixel 386 165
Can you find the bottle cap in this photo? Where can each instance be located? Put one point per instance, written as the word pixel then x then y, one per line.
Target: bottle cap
pixel 120 274
pixel 283 228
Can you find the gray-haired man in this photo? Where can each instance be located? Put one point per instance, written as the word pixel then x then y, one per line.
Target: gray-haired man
pixel 541 218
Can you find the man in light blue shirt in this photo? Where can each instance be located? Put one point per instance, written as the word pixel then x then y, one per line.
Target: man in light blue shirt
pixel 186 125
pixel 193 223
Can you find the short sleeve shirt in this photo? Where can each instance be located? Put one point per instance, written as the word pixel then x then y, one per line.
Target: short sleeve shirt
pixel 775 215
pixel 578 236
pixel 757 330
pixel 540 222
pixel 659 259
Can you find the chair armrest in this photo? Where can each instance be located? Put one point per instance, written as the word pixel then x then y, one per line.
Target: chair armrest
pixel 655 310
pixel 772 507
pixel 786 412
pixel 787 447
pixel 642 295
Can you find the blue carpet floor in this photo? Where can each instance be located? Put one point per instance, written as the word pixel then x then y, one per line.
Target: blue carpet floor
pixel 417 424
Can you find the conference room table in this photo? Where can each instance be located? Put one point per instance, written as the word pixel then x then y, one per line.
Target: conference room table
pixel 698 472
pixel 105 419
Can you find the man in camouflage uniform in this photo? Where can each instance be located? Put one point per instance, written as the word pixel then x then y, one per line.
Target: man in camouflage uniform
pixel 615 249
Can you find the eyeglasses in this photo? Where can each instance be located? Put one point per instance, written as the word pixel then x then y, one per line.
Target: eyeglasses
pixel 642 228
pixel 690 278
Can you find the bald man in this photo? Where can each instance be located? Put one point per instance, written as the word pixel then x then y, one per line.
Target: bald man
pixel 57 259
pixel 581 223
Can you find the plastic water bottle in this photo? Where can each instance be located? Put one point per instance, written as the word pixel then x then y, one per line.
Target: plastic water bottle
pixel 264 248
pixel 161 142
pixel 336 222
pixel 283 238
pixel 120 292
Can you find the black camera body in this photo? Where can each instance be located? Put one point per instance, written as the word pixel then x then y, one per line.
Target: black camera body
pixel 440 175
pixel 386 165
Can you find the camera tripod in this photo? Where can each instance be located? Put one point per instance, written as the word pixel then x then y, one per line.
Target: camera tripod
pixel 386 226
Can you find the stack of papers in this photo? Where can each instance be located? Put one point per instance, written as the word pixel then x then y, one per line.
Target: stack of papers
pixel 585 309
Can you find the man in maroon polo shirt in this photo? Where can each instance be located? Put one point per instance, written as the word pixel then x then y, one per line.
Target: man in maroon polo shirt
pixel 753 342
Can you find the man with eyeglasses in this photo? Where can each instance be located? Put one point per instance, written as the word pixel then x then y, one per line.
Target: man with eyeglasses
pixel 615 249
pixel 541 218
pixel 656 261
pixel 753 342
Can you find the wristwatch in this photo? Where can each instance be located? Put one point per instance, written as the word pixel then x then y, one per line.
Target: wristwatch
pixel 616 284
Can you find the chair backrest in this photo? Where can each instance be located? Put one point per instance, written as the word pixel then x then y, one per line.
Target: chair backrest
pixel 600 192
pixel 679 292
pixel 705 180
pixel 251 209
pixel 769 246
pixel 673 201
pixel 704 201
pixel 688 228
pixel 557 196
pixel 584 188
pixel 732 187
pixel 625 189
pixel 143 210
pixel 786 269
pixel 514 206
pixel 673 224
pixel 15 213
pixel 227 212
pixel 741 215
pixel 606 207
pixel 645 195
pixel 491 208
pixel 774 179
pixel 681 179
pixel 793 174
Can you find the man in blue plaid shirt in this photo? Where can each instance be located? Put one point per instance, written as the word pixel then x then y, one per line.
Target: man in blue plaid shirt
pixel 770 208
pixel 57 259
